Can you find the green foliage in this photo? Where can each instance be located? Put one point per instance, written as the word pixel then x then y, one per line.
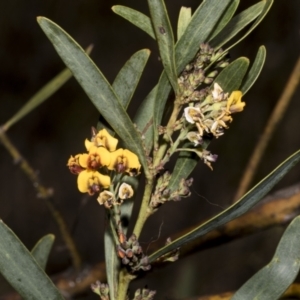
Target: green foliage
pixel 272 281
pixel 96 86
pixel 188 81
pixel 22 270
pixel 42 249
pixel 235 210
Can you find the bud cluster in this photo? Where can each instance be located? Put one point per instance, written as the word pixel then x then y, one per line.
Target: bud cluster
pixel 163 194
pixel 132 254
pixel 194 74
pixel 144 294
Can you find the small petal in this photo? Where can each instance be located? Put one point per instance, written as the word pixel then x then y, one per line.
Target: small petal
pixel 191 113
pixel 218 93
pixel 125 191
pixel 103 138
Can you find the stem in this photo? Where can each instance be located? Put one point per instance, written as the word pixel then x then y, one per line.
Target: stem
pixel 145 210
pixel 124 280
pixel 169 130
pixel 45 194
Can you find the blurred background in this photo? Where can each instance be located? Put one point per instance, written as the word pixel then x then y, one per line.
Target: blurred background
pixel 57 129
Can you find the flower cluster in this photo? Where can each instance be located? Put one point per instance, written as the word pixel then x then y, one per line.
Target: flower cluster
pixel 210 117
pixel 213 113
pixel 101 160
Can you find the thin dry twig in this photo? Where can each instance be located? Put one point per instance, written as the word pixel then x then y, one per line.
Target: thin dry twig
pixel 272 124
pixel 45 194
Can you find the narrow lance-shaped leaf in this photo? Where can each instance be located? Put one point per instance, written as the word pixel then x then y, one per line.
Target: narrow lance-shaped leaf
pixel 231 77
pixel 135 17
pixel 22 271
pixel 42 249
pixel 96 87
pixel 236 24
pixel 184 18
pixel 165 39
pixel 268 4
pixel 42 95
pixel 198 30
pixel 273 280
pixel 255 70
pixel 235 210
pixel 227 16
pixel 126 82
pixel 129 76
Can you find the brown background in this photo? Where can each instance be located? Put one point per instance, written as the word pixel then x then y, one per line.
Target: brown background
pixel 58 128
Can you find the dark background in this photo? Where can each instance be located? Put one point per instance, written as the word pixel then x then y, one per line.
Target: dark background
pixel 58 128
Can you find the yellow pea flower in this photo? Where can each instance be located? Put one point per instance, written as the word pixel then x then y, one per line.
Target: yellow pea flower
pixel 102 139
pixel 123 160
pixel 234 102
pixel 96 158
pixel 92 182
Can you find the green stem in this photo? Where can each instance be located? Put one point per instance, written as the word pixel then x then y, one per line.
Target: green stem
pixel 124 280
pixel 145 210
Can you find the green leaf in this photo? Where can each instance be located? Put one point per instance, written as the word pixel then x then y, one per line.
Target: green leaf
pixel 203 21
pixel 255 70
pixel 112 263
pixel 129 76
pixel 22 271
pixel 227 16
pixel 144 119
pixel 42 95
pixel 268 4
pixel 235 210
pixel 236 24
pixel 184 18
pixel 42 249
pixel 231 77
pixel 135 17
pixel 165 39
pixel 96 87
pixel 272 281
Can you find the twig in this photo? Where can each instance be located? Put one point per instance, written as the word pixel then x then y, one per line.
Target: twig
pixel 272 124
pixel 45 194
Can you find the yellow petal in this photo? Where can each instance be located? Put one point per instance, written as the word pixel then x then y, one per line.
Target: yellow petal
pixel 109 142
pixel 88 144
pixel 92 181
pixel 83 180
pixel 104 180
pixel 115 158
pixel 132 160
pixel 234 102
pixel 83 160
